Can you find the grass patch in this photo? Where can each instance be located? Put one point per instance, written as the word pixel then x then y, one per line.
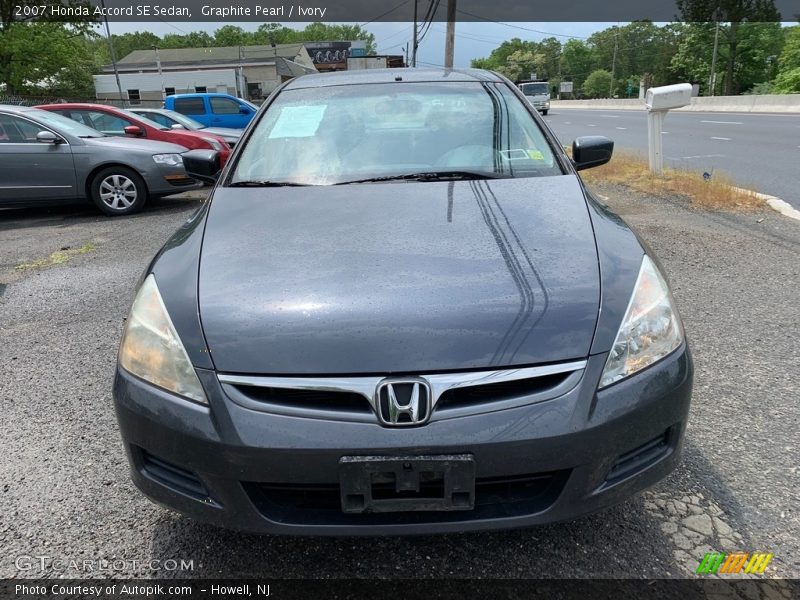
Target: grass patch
pixel 633 171
pixel 58 257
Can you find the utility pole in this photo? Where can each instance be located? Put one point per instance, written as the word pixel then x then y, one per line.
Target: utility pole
pixel 160 73
pixel 111 52
pixel 712 78
pixel 613 65
pixel 450 39
pixel 414 43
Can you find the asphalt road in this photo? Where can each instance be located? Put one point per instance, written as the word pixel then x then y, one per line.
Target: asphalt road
pixel 759 152
pixel 65 488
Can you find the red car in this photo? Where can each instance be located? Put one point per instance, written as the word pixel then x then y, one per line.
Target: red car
pixel 116 121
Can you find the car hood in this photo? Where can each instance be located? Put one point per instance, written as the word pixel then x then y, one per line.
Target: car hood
pixel 130 143
pixel 398 277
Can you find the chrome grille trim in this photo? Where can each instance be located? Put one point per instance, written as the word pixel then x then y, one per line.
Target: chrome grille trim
pixel 366 386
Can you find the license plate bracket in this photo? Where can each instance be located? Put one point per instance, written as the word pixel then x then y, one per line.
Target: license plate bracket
pixel 381 484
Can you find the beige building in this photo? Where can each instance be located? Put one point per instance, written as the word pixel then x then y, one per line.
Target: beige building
pixel 251 72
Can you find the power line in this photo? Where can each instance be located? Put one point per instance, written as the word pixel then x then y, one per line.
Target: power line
pixel 380 16
pixel 574 37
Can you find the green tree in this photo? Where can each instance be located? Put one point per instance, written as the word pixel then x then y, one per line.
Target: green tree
pixel 734 13
pixel 577 61
pixel 787 82
pixel 597 84
pixel 38 57
pixel 232 35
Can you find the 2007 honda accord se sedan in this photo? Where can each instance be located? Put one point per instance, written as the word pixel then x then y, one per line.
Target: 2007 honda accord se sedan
pixel 401 311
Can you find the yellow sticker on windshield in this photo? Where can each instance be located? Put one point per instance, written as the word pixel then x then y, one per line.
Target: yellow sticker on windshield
pixel 535 155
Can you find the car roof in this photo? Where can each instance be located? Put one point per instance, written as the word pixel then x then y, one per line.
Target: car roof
pixel 413 75
pixel 78 105
pixel 16 108
pixel 202 95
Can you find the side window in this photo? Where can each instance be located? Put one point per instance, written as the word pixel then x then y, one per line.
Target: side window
pixel 159 118
pixel 14 130
pixel 224 106
pixel 190 106
pixel 110 124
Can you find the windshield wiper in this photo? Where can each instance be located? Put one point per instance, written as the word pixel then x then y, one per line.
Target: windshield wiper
pixel 433 176
pixel 265 183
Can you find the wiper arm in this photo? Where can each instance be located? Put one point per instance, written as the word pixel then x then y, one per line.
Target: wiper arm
pixel 433 176
pixel 265 183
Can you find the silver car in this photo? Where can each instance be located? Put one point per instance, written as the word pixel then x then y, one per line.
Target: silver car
pixel 175 120
pixel 45 157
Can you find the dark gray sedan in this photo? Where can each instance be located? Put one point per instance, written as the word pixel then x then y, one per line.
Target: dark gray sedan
pixel 45 157
pixel 402 312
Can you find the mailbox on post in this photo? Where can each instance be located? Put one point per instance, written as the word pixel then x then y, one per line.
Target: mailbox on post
pixel 658 102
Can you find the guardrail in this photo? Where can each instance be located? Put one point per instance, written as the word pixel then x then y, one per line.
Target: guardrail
pixel 783 103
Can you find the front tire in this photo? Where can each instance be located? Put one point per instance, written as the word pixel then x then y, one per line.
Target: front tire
pixel 118 191
pixel 544 113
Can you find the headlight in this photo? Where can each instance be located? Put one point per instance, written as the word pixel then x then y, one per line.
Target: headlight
pixel 650 330
pixel 173 160
pixel 151 348
pixel 214 144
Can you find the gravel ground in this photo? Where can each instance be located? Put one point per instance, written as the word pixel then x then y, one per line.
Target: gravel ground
pixel 65 490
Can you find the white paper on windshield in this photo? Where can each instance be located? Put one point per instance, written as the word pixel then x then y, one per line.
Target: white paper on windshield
pixel 298 121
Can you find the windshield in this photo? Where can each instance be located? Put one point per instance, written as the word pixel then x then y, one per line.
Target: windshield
pixel 63 124
pixel 145 120
pixel 535 89
pixel 187 122
pixel 341 134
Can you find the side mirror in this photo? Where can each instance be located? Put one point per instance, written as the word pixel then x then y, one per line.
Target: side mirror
pixel 591 151
pixel 202 164
pixel 244 110
pixel 133 130
pixel 177 126
pixel 48 137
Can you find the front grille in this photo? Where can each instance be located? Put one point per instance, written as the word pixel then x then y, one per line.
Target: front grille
pixel 352 398
pixel 493 392
pixel 307 399
pixel 495 497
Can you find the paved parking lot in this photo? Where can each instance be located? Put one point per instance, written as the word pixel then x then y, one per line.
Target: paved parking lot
pixel 66 280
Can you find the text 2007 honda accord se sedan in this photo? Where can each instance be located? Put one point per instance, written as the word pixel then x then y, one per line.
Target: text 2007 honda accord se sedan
pixel 401 312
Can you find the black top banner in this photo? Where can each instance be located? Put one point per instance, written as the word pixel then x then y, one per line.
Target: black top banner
pixel 368 11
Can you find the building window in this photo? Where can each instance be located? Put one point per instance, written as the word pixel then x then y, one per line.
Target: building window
pixel 170 91
pixel 133 97
pixel 200 89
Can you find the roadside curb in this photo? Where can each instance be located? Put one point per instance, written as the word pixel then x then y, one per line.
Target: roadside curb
pixel 774 203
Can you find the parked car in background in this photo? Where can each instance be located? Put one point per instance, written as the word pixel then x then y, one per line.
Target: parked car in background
pixel 175 120
pixel 401 311
pixel 46 157
pixel 120 122
pixel 213 110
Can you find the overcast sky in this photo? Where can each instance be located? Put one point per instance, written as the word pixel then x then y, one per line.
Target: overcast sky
pixel 473 39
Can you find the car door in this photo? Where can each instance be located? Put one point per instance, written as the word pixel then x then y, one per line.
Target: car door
pixel 226 112
pixel 31 170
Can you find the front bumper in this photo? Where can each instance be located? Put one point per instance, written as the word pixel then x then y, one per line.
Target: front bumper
pixel 551 461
